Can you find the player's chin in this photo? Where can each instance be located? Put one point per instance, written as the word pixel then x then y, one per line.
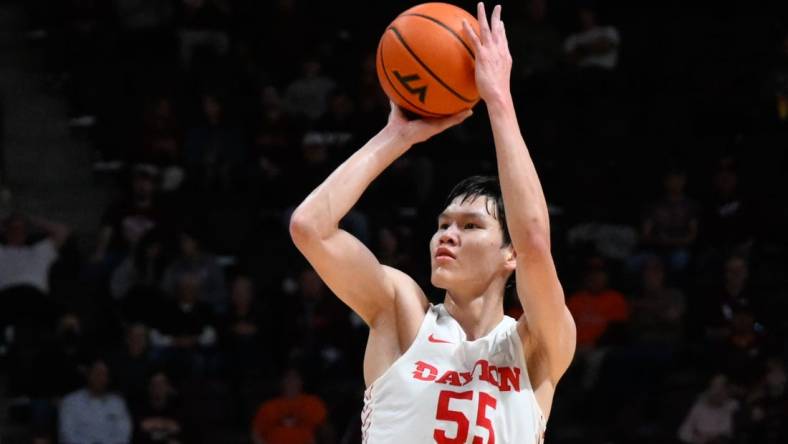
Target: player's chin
pixel 440 277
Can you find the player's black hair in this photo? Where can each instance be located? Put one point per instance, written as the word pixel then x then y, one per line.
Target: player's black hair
pixel 483 186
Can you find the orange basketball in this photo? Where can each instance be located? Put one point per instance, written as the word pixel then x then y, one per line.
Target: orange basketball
pixel 425 62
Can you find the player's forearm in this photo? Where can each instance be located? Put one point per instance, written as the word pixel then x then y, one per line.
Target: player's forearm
pixel 319 214
pixel 526 208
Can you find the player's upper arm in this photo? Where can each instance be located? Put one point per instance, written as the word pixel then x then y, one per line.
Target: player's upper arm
pixel 546 318
pixel 349 269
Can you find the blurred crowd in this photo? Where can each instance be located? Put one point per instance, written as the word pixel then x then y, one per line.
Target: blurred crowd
pixel 659 133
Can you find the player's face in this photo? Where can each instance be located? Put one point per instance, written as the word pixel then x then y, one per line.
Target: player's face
pixel 466 250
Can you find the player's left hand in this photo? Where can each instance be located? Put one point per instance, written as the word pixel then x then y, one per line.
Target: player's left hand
pixel 493 60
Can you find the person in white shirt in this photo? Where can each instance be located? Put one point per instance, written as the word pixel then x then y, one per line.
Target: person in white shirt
pixel 710 420
pixel 24 270
pixel 460 371
pixel 594 46
pixel 93 415
pixel 24 264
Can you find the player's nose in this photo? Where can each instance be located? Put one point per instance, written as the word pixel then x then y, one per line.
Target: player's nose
pixel 449 236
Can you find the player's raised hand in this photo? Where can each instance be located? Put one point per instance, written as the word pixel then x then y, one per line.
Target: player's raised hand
pixel 419 130
pixel 493 60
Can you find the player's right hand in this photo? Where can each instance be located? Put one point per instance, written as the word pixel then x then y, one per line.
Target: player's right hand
pixel 493 59
pixel 419 130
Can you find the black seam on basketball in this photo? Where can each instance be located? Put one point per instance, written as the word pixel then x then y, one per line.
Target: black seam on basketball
pixel 394 87
pixel 424 65
pixel 444 26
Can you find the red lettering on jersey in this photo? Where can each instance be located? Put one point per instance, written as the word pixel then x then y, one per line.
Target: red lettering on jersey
pixel 425 372
pixel 451 377
pixel 486 373
pixel 504 378
pixel 509 375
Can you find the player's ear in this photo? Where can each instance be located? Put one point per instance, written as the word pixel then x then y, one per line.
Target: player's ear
pixel 511 257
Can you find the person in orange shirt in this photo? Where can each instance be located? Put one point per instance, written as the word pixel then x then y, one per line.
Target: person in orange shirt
pixel 596 309
pixel 292 418
pixel 596 306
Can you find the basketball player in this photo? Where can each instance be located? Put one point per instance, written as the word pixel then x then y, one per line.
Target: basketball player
pixel 460 371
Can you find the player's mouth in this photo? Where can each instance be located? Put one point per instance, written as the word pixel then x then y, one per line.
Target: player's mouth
pixel 443 253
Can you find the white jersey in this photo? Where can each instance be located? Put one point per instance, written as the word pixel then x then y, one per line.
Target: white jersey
pixel 446 389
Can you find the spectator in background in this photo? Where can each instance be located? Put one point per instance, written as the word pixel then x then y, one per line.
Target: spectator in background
pixel 93 415
pixel 202 26
pixel 157 418
pixel 538 52
pixel 744 350
pixel 596 307
pixel 142 269
pixel 184 335
pixel 657 310
pixel 25 264
pixel 193 260
pixel 307 96
pixel 241 333
pixel 273 127
pixel 395 249
pixel 600 314
pixel 313 162
pixel 339 125
pixel 136 282
pixel 24 269
pixel 390 250
pixel 129 218
pixel 762 419
pixel 292 418
pixel 710 421
pixel 134 362
pixel 214 149
pixel 58 365
pixel 716 306
pixel 611 240
pixel 589 93
pixel 594 46
pixel 727 215
pixel 161 135
pixel 670 225
pixel 57 368
pixel 274 133
pixel 318 325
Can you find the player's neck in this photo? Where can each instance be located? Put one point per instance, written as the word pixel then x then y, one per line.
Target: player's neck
pixel 477 316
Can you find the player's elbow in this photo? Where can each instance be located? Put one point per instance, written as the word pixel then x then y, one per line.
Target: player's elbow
pixel 301 228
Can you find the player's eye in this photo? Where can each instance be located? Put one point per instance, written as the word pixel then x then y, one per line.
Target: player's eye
pixel 470 226
pixel 443 226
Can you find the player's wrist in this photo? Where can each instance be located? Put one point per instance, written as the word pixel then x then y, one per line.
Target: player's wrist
pixel 499 101
pixel 396 136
